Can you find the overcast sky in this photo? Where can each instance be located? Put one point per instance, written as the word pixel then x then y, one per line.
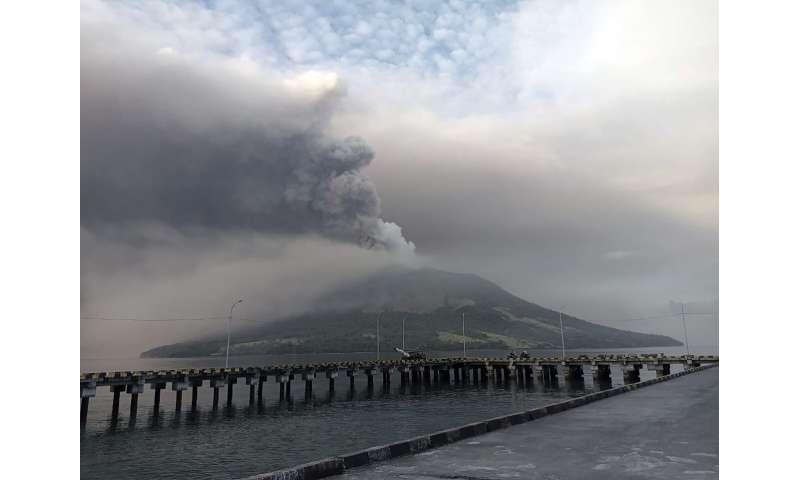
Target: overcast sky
pixel 566 150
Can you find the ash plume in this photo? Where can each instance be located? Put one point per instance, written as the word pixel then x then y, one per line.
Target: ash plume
pixel 219 144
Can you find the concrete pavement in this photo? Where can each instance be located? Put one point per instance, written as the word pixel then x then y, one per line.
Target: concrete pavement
pixel 665 431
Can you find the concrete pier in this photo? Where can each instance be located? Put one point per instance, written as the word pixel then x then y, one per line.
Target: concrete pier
pixel 414 372
pixel 662 432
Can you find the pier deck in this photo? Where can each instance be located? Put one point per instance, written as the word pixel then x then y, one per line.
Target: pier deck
pixel 665 431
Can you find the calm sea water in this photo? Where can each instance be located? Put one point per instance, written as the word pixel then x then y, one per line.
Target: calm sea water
pixel 243 440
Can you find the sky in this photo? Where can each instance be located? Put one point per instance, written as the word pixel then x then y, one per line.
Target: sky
pixel 566 150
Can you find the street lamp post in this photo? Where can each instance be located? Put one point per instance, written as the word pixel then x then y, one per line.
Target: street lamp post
pixel 563 344
pixel 685 335
pixel 230 317
pixel 378 335
pixel 404 335
pixel 464 334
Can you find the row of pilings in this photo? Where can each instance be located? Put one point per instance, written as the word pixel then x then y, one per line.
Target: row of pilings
pixel 436 372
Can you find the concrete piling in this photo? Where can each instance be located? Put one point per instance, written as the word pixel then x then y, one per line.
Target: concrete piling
pixel 231 381
pixel 216 384
pixel 601 372
pixel 281 379
pixel 252 381
pixel 308 378
pixel 548 373
pixel 178 387
pixel 194 396
pixel 331 375
pixel 116 389
pixel 88 390
pixel 572 371
pixel 405 372
pixel 416 376
pixel 157 397
pixel 134 389
pixel 370 373
pixel 84 409
pixel 630 372
pixel 289 387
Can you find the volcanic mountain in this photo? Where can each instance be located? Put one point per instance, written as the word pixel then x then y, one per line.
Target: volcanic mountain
pixel 432 303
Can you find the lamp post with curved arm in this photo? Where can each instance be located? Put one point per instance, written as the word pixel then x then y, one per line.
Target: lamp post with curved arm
pixel 563 343
pixel 230 317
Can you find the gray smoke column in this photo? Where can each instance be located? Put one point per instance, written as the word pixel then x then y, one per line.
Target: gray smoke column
pixel 218 144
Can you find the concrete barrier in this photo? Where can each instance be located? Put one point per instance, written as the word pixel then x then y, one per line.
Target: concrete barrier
pixel 336 465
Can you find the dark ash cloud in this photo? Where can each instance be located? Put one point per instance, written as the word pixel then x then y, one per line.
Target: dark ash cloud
pixel 215 144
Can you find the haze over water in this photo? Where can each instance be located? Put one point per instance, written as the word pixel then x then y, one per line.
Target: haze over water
pixel 241 441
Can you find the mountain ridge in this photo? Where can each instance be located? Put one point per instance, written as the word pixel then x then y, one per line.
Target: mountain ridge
pixel 432 303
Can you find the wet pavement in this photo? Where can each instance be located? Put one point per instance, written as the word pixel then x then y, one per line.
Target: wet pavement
pixel 664 431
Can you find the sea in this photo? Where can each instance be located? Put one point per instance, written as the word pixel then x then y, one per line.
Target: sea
pixel 237 442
